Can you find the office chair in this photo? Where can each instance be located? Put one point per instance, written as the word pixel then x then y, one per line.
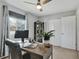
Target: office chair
pixel 15 51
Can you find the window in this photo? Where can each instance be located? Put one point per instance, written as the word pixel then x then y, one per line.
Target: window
pixel 16 22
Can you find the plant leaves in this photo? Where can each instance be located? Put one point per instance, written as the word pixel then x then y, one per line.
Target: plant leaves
pixel 48 34
pixel 51 31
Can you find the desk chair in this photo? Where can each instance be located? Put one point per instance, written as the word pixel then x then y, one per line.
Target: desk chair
pixel 15 51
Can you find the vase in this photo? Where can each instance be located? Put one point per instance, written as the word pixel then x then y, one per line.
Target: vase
pixel 46 38
pixel 46 41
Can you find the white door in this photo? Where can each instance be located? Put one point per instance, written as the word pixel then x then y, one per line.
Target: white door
pixel 68 32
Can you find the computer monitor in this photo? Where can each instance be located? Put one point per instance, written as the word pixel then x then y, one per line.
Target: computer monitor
pixel 21 34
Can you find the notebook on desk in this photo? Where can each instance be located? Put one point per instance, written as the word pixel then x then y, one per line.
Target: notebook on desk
pixel 34 45
pixel 25 44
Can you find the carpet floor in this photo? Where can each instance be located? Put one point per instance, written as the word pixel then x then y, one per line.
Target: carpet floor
pixel 62 53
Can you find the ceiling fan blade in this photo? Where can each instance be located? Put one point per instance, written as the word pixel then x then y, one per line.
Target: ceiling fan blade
pixel 44 1
pixel 30 3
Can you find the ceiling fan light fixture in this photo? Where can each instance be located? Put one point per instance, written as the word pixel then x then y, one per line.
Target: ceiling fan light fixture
pixel 39 6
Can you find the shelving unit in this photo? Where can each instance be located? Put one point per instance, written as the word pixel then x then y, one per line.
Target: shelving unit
pixel 38 29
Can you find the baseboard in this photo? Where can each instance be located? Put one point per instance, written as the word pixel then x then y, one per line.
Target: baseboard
pixel 67 48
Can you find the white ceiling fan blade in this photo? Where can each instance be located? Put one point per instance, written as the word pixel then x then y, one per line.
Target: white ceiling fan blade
pixel 30 3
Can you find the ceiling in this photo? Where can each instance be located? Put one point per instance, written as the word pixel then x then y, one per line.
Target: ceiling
pixel 55 6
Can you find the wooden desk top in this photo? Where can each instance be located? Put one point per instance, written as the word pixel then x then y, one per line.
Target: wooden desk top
pixel 41 50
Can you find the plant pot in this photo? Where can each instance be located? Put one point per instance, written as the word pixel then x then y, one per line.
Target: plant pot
pixel 46 38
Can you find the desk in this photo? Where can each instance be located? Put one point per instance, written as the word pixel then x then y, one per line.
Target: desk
pixel 40 53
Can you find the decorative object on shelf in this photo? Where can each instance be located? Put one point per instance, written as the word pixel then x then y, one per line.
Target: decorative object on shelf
pixel 47 35
pixel 38 30
pixel 47 45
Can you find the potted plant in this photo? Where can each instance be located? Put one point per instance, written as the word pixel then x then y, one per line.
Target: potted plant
pixel 47 35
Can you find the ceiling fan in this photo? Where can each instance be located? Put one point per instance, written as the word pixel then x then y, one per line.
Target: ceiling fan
pixel 39 3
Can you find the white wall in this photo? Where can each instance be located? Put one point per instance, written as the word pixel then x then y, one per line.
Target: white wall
pixel 31 20
pixel 55 24
pixel 51 23
pixel 78 29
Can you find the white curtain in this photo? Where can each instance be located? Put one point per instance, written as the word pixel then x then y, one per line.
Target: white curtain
pixel 4 29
